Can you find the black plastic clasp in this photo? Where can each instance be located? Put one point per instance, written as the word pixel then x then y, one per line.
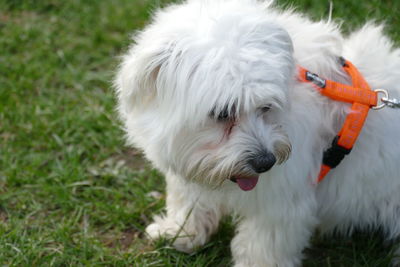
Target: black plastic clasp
pixel 335 154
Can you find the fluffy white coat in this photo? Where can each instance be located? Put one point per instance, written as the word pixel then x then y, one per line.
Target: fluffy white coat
pixel 199 57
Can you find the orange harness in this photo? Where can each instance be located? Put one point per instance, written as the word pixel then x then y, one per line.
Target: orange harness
pixel 362 98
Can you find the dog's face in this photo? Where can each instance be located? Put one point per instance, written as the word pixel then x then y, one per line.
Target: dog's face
pixel 205 95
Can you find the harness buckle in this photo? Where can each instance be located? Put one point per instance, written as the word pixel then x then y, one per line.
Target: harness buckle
pixel 335 154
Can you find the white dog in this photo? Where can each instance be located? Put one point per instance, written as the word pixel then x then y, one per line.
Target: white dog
pixel 210 93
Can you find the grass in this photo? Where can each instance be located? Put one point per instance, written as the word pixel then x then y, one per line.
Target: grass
pixel 71 193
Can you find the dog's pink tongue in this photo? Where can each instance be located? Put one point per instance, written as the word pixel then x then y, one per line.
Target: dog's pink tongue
pixel 248 183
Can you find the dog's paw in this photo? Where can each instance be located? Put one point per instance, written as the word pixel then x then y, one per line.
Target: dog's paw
pixel 154 231
pixel 182 239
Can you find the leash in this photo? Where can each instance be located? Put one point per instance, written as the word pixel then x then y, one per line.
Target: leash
pixel 362 98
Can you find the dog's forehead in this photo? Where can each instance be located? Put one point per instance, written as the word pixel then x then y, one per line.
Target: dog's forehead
pixel 215 78
pixel 219 59
pixel 224 79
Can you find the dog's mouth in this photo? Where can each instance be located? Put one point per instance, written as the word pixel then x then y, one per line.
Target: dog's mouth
pixel 246 183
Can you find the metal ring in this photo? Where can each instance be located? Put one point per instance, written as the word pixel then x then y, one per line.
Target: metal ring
pixel 386 96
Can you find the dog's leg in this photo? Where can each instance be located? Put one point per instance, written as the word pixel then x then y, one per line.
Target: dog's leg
pixel 276 239
pixel 192 215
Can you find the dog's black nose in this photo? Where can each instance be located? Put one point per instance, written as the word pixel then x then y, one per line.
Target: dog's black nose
pixel 262 162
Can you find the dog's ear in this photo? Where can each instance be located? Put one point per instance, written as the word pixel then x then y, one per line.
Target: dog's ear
pixel 137 78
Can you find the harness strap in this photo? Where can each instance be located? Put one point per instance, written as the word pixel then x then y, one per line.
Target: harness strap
pixel 362 98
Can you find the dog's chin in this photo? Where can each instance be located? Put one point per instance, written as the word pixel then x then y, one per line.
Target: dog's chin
pixel 245 182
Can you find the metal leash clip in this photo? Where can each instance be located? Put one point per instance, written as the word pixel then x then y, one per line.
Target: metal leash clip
pixel 386 101
pixel 391 103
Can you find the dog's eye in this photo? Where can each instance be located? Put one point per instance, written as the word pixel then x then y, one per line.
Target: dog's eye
pixel 224 115
pixel 265 109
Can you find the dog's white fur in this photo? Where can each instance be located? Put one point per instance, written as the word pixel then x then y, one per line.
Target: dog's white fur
pixel 199 57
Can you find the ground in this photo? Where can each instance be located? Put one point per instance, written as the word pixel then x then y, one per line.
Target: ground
pixel 71 192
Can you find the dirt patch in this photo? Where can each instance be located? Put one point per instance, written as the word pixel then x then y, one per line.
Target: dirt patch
pixel 133 158
pixel 7 137
pixel 127 238
pixel 17 17
pixel 124 241
pixel 126 159
pixel 4 18
pixel 3 217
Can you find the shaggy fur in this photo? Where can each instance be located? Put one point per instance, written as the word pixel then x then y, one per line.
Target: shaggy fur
pixel 209 84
